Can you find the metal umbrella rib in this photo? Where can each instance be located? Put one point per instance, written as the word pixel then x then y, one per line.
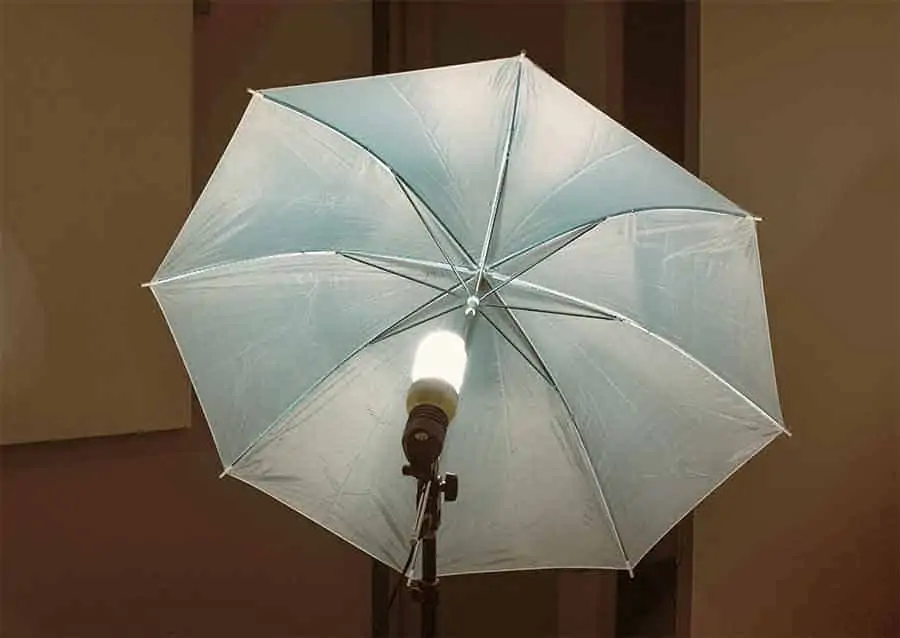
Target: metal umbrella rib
pixel 437 243
pixel 593 223
pixel 545 372
pixel 401 182
pixel 186 276
pixel 364 258
pixel 501 180
pixel 630 321
pixel 309 391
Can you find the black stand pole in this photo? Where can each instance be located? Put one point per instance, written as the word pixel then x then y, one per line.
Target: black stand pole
pixel 433 490
pixel 428 585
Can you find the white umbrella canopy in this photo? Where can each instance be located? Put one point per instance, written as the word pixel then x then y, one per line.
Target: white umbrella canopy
pixel 619 364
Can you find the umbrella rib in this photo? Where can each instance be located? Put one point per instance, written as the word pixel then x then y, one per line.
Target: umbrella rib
pixel 409 261
pixel 581 444
pixel 634 323
pixel 287 411
pixel 584 315
pixel 561 296
pixel 501 179
pixel 582 171
pixel 721 481
pixel 576 233
pixel 360 259
pixel 432 235
pixel 562 185
pixel 545 374
pixel 375 156
pixel 593 223
pixel 393 332
pixel 237 262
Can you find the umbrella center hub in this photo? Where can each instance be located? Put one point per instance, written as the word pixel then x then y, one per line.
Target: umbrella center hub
pixel 472 304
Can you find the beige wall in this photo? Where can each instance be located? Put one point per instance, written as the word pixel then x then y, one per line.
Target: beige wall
pixel 98 159
pixel 96 178
pixel 800 123
pixel 134 536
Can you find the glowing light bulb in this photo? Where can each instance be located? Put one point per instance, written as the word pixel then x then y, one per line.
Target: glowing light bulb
pixel 441 355
pixel 433 397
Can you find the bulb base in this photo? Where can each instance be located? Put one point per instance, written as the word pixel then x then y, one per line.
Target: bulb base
pixel 433 391
pixel 431 404
pixel 423 438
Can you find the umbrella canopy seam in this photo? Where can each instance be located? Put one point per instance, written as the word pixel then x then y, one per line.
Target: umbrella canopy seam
pixel 197 272
pixel 312 388
pixel 431 234
pixel 561 186
pixel 667 342
pixel 501 178
pixel 591 223
pixel 361 256
pixel 399 178
pixel 582 447
pixel 576 233
pixel 358 258
pixel 540 369
pixel 582 315
pixel 394 331
pixel 718 484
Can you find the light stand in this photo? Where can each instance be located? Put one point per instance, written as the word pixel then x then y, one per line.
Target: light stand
pixel 429 494
pixel 431 403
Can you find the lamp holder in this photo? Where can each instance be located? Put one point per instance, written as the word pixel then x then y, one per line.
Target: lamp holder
pixel 432 405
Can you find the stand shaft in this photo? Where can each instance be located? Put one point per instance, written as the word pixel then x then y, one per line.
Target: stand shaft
pixel 429 587
pixel 431 490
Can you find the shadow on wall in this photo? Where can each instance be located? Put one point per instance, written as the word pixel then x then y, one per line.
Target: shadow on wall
pixel 20 306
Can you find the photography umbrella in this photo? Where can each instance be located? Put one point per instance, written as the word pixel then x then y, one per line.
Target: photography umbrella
pixel 597 311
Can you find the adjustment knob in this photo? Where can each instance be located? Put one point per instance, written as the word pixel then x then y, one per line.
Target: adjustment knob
pixel 450 487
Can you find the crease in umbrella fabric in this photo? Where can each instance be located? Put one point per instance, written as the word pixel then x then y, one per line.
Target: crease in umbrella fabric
pixel 619 362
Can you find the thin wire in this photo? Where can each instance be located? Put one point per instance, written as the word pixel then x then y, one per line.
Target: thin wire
pixel 413 546
pixel 387 612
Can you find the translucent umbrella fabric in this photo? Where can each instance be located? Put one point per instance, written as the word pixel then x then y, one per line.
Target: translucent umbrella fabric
pixel 619 363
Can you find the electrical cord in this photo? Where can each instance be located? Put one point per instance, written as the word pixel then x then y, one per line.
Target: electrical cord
pixel 420 517
pixel 385 620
